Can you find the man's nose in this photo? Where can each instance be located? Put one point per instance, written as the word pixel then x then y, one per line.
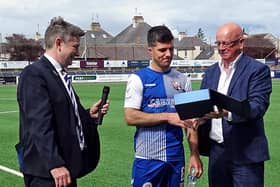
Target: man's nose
pixel 168 52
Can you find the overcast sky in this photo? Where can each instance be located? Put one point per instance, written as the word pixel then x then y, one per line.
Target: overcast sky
pixel 29 16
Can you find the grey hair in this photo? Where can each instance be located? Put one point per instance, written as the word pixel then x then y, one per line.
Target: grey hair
pixel 60 28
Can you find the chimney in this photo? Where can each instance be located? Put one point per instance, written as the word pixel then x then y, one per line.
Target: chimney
pixel 136 20
pixel 95 26
pixel 181 35
pixel 37 36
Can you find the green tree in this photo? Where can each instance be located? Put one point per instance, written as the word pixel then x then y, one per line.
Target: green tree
pixel 200 34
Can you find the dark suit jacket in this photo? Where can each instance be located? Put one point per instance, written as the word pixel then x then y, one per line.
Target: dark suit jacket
pixel 48 137
pixel 244 138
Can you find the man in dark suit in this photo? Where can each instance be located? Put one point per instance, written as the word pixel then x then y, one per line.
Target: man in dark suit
pixel 59 140
pixel 236 145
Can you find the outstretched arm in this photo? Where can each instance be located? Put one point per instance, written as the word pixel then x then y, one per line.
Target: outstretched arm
pixel 135 117
pixel 194 160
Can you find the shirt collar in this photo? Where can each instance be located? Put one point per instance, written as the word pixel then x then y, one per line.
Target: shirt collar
pixel 232 64
pixel 55 64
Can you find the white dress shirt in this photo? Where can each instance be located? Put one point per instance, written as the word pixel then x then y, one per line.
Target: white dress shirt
pixel 216 132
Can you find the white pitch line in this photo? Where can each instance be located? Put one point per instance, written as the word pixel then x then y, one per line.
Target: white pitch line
pixel 7 112
pixel 11 171
pixel 7 99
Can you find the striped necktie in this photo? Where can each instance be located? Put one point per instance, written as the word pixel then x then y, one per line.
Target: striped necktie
pixel 70 91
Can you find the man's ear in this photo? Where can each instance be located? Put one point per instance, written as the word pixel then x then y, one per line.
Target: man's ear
pixel 150 50
pixel 58 41
pixel 241 43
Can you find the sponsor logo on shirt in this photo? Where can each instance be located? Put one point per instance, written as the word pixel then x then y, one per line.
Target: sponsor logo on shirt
pixel 160 102
pixel 150 85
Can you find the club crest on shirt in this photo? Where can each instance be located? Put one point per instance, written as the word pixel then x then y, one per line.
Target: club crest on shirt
pixel 177 85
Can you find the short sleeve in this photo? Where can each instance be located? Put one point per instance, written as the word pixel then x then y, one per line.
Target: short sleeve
pixel 133 93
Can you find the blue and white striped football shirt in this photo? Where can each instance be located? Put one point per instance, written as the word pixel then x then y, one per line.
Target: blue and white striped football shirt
pixel 152 92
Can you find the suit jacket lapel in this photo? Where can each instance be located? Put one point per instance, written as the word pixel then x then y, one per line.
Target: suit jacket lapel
pixel 240 67
pixel 216 77
pixel 55 74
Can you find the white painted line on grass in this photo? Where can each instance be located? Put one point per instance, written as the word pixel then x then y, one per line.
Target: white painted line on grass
pixel 8 98
pixel 7 112
pixel 11 171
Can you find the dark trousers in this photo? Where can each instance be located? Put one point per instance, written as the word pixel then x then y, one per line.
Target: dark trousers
pixel 33 181
pixel 223 172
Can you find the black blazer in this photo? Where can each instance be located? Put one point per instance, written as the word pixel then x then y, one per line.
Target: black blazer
pixel 48 137
pixel 243 137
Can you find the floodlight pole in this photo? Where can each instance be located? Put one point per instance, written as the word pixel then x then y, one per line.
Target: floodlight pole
pixel 85 41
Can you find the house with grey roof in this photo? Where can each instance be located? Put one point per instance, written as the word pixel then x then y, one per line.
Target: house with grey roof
pixel 260 46
pixel 135 33
pixel 192 47
pixel 129 44
pixel 92 39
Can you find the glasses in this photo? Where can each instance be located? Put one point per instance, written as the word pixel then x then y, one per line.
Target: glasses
pixel 227 44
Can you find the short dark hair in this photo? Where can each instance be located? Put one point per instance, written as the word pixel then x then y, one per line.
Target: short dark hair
pixel 63 29
pixel 159 34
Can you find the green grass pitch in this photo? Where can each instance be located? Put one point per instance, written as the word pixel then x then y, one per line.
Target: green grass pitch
pixel 117 139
